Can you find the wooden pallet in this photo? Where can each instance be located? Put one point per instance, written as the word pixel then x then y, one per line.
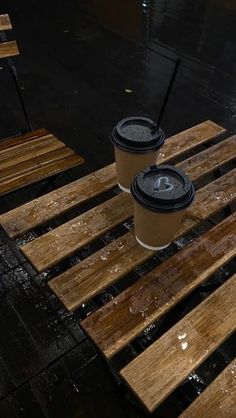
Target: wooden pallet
pixel 158 370
pixel 31 157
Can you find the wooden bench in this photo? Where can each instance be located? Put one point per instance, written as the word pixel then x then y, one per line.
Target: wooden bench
pixel 25 159
pixel 31 157
pixel 161 368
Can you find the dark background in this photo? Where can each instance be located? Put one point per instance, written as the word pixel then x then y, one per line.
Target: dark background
pixel 77 60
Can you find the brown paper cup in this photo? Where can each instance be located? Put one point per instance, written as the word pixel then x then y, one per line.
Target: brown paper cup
pixel 129 164
pixel 136 141
pixel 153 230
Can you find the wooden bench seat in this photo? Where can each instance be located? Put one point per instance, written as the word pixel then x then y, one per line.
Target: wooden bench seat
pixel 155 373
pixel 28 158
pixel 219 399
pixel 113 325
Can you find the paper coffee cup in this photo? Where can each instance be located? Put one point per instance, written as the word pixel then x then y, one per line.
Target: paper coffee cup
pixel 161 196
pixel 136 141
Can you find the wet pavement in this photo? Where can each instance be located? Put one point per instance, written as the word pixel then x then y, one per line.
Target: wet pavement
pixel 83 66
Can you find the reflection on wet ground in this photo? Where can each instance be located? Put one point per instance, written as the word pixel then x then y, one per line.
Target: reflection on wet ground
pixel 84 65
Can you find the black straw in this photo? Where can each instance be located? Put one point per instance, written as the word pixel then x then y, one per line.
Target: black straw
pixel 173 77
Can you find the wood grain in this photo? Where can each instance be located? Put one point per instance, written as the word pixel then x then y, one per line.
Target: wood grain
pixel 54 246
pixel 155 373
pixel 93 184
pixel 5 23
pixel 28 165
pixel 190 139
pixel 40 173
pixel 7 143
pixel 54 253
pixel 103 268
pixel 25 152
pixel 211 159
pixel 218 399
pixel 8 49
pixel 114 325
pixel 26 217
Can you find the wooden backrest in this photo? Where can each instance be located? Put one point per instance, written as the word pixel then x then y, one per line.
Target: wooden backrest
pixel 5 23
pixel 7 48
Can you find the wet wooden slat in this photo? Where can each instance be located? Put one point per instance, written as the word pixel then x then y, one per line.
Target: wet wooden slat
pixel 6 144
pixel 190 139
pixel 155 373
pixel 54 246
pixel 39 174
pixel 28 151
pixel 113 326
pixel 103 268
pixel 218 399
pixel 212 158
pixel 20 220
pixel 38 161
pixel 52 242
pixel 5 23
pixel 8 49
pixel 83 189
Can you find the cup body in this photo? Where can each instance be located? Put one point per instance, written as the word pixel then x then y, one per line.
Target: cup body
pixel 128 164
pixel 153 230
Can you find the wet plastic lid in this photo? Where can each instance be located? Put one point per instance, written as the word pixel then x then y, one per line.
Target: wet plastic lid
pixel 137 134
pixel 163 188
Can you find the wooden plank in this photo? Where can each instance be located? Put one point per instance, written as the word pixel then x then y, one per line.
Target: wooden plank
pixel 190 139
pixel 39 161
pixel 218 399
pixel 155 373
pixel 54 246
pixel 22 147
pixel 7 143
pixel 5 23
pixel 39 174
pixel 113 326
pixel 20 220
pixel 56 253
pixel 77 192
pixel 211 159
pixel 27 151
pixel 8 49
pixel 103 268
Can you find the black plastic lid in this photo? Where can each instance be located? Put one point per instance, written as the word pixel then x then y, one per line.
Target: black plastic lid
pixel 137 134
pixel 163 188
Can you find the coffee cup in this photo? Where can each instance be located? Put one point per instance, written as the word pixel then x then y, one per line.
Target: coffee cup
pixel 137 141
pixel 161 196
